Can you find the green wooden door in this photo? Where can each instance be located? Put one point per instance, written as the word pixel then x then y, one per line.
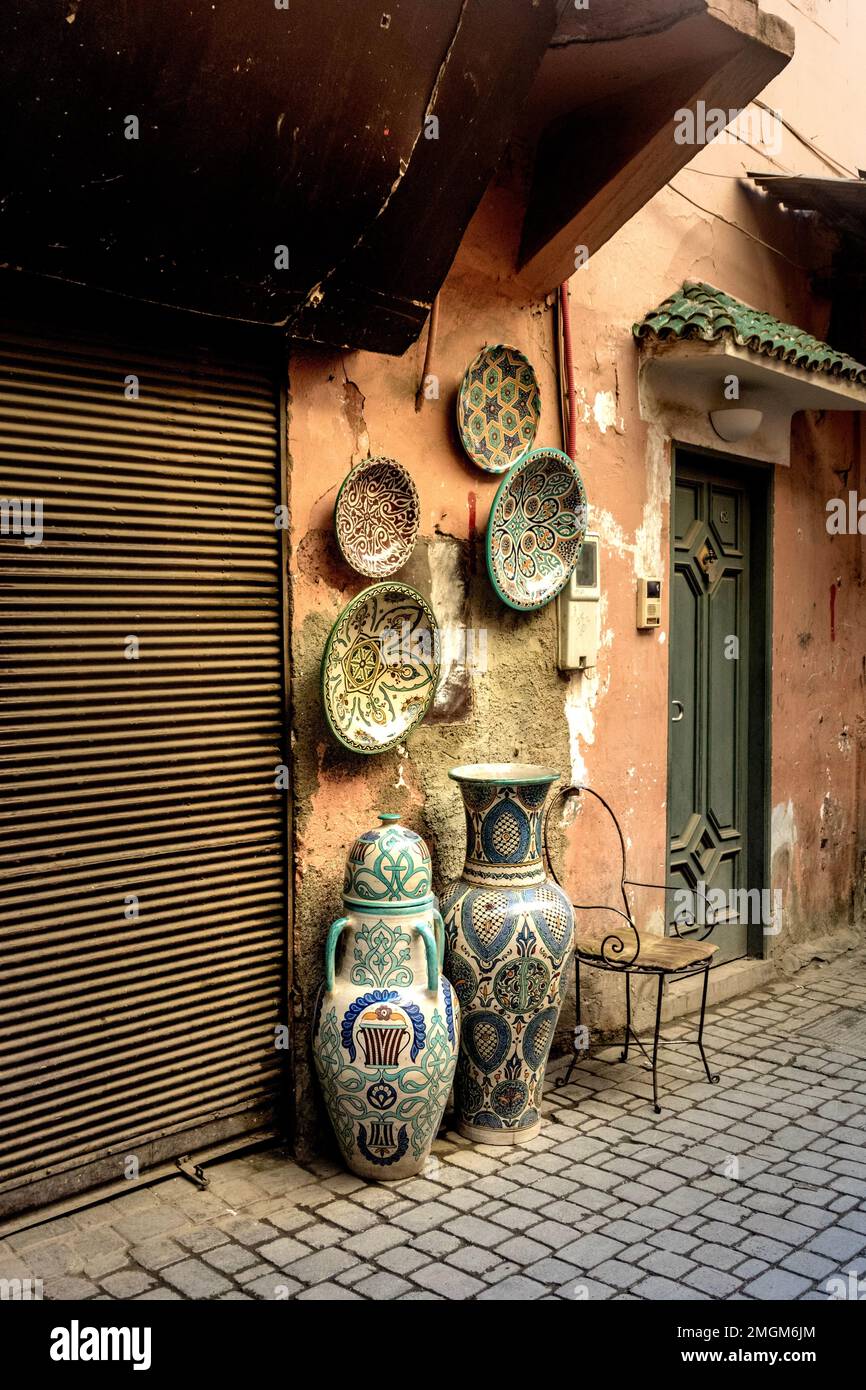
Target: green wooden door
pixel 711 635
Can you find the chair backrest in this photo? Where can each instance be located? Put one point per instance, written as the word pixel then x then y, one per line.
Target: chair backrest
pixel 618 945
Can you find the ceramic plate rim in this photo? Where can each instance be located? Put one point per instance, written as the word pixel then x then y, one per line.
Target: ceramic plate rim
pixel 434 684
pixel 492 347
pixel 400 468
pixel 488 547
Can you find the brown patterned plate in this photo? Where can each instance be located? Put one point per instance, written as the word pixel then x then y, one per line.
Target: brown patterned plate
pixel 376 516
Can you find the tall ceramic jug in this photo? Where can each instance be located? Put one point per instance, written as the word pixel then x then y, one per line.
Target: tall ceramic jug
pixel 508 933
pixel 385 1034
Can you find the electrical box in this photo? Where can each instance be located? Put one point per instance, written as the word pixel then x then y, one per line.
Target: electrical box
pixel 649 603
pixel 579 611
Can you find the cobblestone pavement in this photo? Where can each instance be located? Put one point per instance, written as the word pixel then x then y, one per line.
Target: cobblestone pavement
pixel 751 1189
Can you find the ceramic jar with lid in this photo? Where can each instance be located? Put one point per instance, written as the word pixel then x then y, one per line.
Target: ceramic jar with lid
pixel 385 1034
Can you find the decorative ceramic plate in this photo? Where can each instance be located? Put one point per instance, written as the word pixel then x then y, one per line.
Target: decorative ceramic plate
pixel 536 529
pixel 498 407
pixel 376 517
pixel 381 667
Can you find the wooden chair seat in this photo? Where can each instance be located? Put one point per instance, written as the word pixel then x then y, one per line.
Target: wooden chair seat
pixel 666 954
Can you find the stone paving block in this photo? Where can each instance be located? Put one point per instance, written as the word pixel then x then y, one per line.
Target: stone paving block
pixel 475 1231
pixel 52 1259
pixel 720 1233
pixel 777 1228
pixel 522 1250
pixel 637 1193
pixel 552 1233
pixel 627 1231
pixel 811 1266
pixel 426 1216
pixel 247 1232
pixel 321 1235
pixel 202 1238
pixel 126 1283
pixel 656 1287
pixel 718 1256
pixel 195 1279
pixel 474 1259
pixel 684 1201
pixel 436 1243
pixel 329 1293
pixel 550 1271
pixel 230 1259
pixel 140 1226
pixel 713 1282
pixel 367 1244
pixel 518 1289
pixel 401 1259
pixel 383 1286
pixel 590 1250
pixel 765 1248
pixel 281 1252
pixel 159 1295
pixel 777 1284
pixel 838 1243
pixel 447 1281
pixel 621 1274
pixel 156 1254
pixel 69 1288
pixel 347 1215
pixel 321 1265
pixel 581 1289
pixel 677 1241
pixel 667 1263
pixel 361 1270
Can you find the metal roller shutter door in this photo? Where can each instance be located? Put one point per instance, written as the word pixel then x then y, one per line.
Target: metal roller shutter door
pixel 121 1034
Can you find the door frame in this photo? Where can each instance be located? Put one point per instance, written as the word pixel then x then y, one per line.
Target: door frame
pixel 758 478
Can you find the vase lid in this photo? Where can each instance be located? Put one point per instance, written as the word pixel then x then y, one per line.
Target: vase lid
pixel 389 868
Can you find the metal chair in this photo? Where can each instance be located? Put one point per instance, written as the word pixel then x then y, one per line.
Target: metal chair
pixel 624 950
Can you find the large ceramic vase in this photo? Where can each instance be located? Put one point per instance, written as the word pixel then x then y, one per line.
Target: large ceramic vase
pixel 508 933
pixel 385 1034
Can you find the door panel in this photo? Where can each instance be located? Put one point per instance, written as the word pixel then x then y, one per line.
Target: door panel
pixel 709 688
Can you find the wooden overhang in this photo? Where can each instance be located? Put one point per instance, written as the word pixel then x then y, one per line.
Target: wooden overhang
pixel 167 154
pixel 602 112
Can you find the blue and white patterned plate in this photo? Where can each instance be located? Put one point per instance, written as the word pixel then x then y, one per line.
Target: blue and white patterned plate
pixel 380 667
pixel 536 529
pixel 498 408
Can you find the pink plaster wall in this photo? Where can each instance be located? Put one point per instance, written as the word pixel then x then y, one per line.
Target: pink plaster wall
pixel 611 729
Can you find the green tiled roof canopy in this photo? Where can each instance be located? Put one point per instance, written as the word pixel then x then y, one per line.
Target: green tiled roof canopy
pixel 701 311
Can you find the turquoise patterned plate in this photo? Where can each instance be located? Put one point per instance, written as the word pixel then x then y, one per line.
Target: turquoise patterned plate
pixel 536 529
pixel 498 408
pixel 380 667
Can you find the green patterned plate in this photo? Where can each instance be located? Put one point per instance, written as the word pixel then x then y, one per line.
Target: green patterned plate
pixel 380 667
pixel 498 408
pixel 536 529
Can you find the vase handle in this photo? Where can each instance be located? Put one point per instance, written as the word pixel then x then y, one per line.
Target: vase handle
pixel 440 936
pixel 430 946
pixel 334 933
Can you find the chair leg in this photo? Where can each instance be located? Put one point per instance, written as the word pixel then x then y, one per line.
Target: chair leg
pixel 623 1056
pixel 564 1080
pixel 711 1076
pixel 656 1107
